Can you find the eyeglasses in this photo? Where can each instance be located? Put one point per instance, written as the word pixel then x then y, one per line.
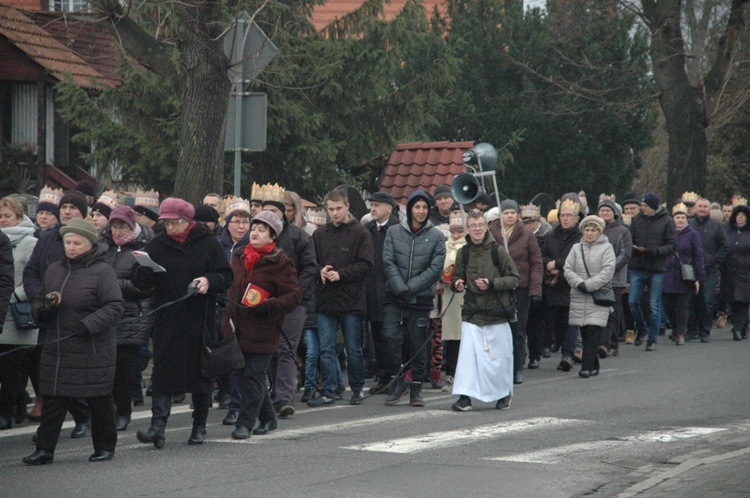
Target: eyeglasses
pixel 568 215
pixel 120 228
pixel 474 226
pixel 239 222
pixel 178 221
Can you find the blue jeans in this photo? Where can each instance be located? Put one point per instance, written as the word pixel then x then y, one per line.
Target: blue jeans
pixel 311 361
pixel 351 328
pixel 638 280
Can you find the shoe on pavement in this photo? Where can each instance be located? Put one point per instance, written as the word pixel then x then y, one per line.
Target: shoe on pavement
pixel 533 363
pixel 736 335
pixel 518 377
pixel 585 374
pixel 603 351
pixel 285 410
pixel 680 340
pixel 241 432
pixel 266 427
pixel 101 456
pixel 462 405
pixel 705 338
pixel 565 364
pixel 503 403
pixel 629 336
pixel 230 419
pixel 325 399
pixel 307 395
pixel 39 457
pixel 122 422
pixel 358 397
pixel 651 346
pixel 546 353
pixel 80 430
pixel 400 389
pixel 381 388
pixel 448 386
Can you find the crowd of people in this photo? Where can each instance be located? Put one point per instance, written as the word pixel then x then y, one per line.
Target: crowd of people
pixel 461 298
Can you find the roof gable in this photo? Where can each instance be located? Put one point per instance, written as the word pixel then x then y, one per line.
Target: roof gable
pixel 333 10
pixel 422 166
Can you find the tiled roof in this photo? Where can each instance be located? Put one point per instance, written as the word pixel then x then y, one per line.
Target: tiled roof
pixel 45 50
pixel 331 10
pixel 89 40
pixel 422 165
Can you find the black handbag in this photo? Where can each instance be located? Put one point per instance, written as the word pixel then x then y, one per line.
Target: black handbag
pixel 21 311
pixel 603 296
pixel 687 271
pixel 218 358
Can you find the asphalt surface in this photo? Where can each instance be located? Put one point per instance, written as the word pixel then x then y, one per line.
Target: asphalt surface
pixel 673 422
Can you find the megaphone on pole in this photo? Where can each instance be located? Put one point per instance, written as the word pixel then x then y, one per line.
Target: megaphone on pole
pixel 466 188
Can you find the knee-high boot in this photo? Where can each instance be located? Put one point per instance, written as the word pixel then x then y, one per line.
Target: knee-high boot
pixel 161 405
pixel 201 404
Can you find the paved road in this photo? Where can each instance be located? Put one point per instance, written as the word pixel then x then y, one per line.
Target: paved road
pixel 674 422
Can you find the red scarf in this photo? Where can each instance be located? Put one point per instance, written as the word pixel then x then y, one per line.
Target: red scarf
pixel 252 255
pixel 182 236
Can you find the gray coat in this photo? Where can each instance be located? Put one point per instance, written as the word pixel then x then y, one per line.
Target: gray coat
pixel 23 241
pixel 600 260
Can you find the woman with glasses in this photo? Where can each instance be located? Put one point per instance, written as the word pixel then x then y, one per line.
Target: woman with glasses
pixel 192 257
pixel 123 236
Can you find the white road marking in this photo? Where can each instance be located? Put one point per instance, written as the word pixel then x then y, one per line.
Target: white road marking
pixel 554 455
pixel 448 439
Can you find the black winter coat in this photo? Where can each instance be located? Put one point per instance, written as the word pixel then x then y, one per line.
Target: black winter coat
pixel 179 328
pixel 375 292
pixel 299 247
pixel 735 272
pixel 131 330
pixel 79 353
pixel 48 250
pixel 7 273
pixel 714 240
pixel 557 246
pixel 657 234
pixel 348 249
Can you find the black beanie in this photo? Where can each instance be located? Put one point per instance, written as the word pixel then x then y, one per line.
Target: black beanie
pixel 77 199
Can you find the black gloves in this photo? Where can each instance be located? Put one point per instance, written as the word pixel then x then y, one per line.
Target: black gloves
pixel 536 301
pixel 260 312
pixel 582 287
pixel 405 297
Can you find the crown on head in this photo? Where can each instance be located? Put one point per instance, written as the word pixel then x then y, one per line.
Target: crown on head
pixel 690 197
pixel 605 197
pixel 255 194
pixel 457 222
pixel 679 208
pixel 316 216
pixel 51 195
pixel 569 205
pixel 530 211
pixel 108 198
pixel 738 200
pixel 234 204
pixel 273 193
pixel 148 199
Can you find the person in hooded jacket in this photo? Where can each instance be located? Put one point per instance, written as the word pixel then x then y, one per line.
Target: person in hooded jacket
pixel 735 272
pixel 413 257
pixel 193 259
pixel 264 266
pixel 124 235
pixel 79 304
pixel 14 364
pixel 590 265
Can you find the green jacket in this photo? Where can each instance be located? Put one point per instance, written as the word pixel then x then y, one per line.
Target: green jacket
pixel 496 304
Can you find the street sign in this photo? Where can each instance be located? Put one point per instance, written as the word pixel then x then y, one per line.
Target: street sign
pixel 253 124
pixel 248 48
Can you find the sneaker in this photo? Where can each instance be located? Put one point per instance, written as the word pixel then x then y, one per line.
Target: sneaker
pixel 565 364
pixel 230 419
pixel 325 399
pixel 448 386
pixel 680 340
pixel 307 395
pixel 650 346
pixel 705 338
pixel 462 405
pixel 533 363
pixel 286 410
pixel 358 397
pixel 503 403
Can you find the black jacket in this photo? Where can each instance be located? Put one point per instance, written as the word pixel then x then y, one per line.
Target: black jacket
pixel 48 250
pixel 657 234
pixel 348 249
pixel 299 247
pixel 375 291
pixel 557 246
pixel 715 247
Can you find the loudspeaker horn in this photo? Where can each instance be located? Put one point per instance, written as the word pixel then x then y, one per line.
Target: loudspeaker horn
pixel 482 154
pixel 466 188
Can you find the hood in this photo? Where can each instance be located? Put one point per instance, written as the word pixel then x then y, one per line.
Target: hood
pixel 417 195
pixel 25 227
pixel 735 212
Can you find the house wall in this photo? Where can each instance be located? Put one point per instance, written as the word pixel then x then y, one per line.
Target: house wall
pixel 16 65
pixel 32 5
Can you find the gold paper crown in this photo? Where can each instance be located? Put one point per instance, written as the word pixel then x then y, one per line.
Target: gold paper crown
pixel 108 198
pixel 255 194
pixel 568 205
pixel 50 195
pixel 235 204
pixel 457 222
pixel 316 216
pixel 605 197
pixel 679 208
pixel 530 211
pixel 148 199
pixel 690 197
pixel 738 201
pixel 273 193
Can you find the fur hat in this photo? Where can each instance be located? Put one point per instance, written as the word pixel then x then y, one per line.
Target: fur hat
pixel 270 219
pixel 81 227
pixel 592 219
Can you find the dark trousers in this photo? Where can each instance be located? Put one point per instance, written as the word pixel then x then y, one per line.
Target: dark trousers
pixel 123 388
pixel 404 326
pixel 256 401
pixel 704 306
pixel 285 373
pixel 103 431
pixel 451 356
pixel 557 326
pixel 590 337
pixel 536 331
pixel 12 377
pixel 677 307
pixel 739 316
pixel 612 332
pixel 518 328
pixel 379 348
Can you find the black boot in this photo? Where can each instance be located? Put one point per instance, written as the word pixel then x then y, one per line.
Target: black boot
pixel 161 405
pixel 415 394
pixel 198 435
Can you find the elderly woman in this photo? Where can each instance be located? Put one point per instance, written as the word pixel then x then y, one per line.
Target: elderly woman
pixel 294 212
pixel 263 291
pixel 676 292
pixel 79 305
pixel 590 265
pixel 735 272
pixel 123 236
pixel 14 364
pixel 192 256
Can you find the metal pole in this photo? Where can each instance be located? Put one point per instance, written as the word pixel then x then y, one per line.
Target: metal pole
pixel 237 139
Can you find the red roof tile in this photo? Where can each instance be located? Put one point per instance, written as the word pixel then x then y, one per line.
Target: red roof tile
pixel 332 10
pixel 422 165
pixel 43 49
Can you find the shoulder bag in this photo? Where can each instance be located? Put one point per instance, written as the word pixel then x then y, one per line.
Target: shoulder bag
pixel 21 311
pixel 687 271
pixel 218 358
pixel 605 295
